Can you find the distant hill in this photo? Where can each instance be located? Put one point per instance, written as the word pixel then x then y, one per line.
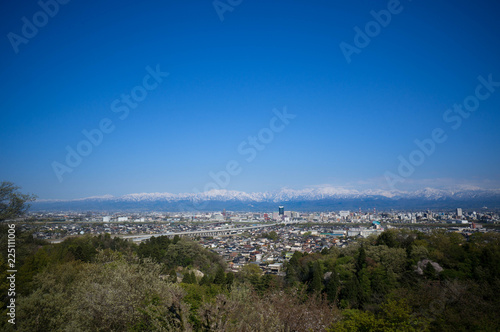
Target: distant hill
pixel 312 199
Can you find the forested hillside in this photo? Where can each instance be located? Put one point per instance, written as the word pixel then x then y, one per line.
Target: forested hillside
pixel 398 281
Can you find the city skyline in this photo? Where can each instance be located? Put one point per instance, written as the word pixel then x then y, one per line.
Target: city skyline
pixel 121 98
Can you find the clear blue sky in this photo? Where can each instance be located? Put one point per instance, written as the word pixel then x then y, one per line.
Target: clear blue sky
pixel 352 121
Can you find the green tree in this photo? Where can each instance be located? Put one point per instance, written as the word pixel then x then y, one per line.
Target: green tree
pixel 173 276
pixel 350 293
pixel 388 238
pixel 193 278
pixel 430 271
pixel 361 262
pixel 364 286
pixel 229 279
pixel 316 284
pixel 110 294
pixel 12 202
pixel 394 317
pixel 379 283
pixel 205 280
pixel 294 261
pixel 251 272
pixel 188 278
pixel 332 287
pixel 272 235
pixel 220 277
pixel 292 269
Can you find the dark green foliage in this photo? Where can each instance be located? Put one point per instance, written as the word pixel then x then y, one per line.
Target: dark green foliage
pixel 186 278
pixel 368 276
pixel 205 280
pixel 361 262
pixel 229 279
pixel 380 283
pixel 108 284
pixel 388 238
pixel 332 287
pixel 105 241
pixel 110 294
pixel 291 277
pixel 155 247
pixel 189 278
pixel 220 277
pixel 81 248
pixel 292 269
pixel 394 316
pixel 28 262
pixel 172 276
pixel 180 252
pixel 265 283
pixel 429 271
pixel 350 293
pixel 12 202
pixel 364 295
pixel 196 296
pixel 316 284
pixel 272 235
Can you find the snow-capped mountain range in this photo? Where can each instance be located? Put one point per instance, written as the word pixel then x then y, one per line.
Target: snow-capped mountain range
pixel 309 199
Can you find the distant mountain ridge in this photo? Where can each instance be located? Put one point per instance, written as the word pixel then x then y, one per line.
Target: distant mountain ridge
pixel 309 199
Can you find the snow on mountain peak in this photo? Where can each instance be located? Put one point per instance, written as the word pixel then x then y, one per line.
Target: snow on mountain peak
pixel 288 194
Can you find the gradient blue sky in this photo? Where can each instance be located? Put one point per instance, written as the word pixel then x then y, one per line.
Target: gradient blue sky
pixel 353 120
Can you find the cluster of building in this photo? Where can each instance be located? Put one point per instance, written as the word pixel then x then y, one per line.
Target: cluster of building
pixel 59 225
pixel 264 239
pixel 281 215
pixel 270 247
pixel 59 230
